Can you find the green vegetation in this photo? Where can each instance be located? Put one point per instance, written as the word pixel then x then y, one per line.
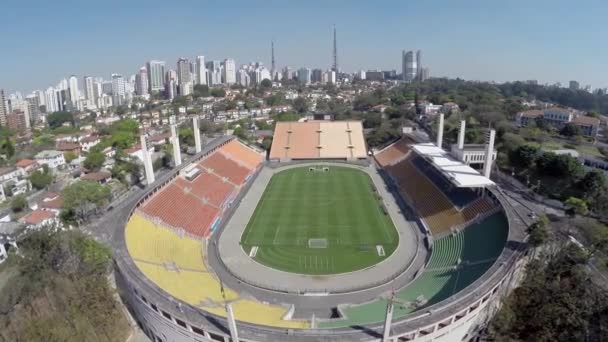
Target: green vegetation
pixel 57 289
pixel 83 199
pixel 69 156
pixel 94 160
pixel 40 179
pixel 560 177
pixel 556 302
pixel 18 203
pixel 57 119
pixel 338 206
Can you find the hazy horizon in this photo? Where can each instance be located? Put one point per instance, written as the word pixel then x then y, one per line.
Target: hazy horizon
pixel 549 41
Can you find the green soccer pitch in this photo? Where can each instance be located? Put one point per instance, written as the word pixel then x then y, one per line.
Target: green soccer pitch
pixel 320 222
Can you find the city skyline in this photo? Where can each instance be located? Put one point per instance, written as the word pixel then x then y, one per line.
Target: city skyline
pixel 491 42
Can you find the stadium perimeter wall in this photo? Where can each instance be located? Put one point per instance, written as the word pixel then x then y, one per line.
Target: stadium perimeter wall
pixel 456 318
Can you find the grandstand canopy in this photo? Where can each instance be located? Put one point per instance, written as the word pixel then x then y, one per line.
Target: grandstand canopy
pixel 457 172
pixel 318 140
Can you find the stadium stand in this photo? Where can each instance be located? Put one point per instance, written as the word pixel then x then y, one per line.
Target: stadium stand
pixel 248 157
pixel 318 139
pixel 393 153
pixel 456 262
pixel 222 166
pixel 207 187
pixel 194 216
pixel 203 199
pixel 460 197
pixel 177 266
pixel 432 205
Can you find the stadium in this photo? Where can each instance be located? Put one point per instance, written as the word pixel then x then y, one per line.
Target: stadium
pixel 320 240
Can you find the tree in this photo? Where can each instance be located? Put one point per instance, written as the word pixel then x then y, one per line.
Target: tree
pixel 40 179
pixel 94 160
pixel 8 148
pixel 524 156
pixel 200 90
pixel 57 119
pixel 19 203
pixel 82 198
pixel 570 130
pixel 300 105
pixel 69 156
pixel 592 183
pixel 537 231
pixel 218 92
pixel 266 83
pixel 576 206
pixel 267 143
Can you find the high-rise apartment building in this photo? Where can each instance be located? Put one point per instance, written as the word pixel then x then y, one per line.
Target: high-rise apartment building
pixel 229 71
pixel 74 92
pixel 409 66
pixel 183 71
pixel 89 91
pixel 419 65
pixel 214 72
pixel 304 75
pixel 316 76
pixel 156 75
pixel 3 109
pixel 201 70
pixel 141 82
pixel 118 89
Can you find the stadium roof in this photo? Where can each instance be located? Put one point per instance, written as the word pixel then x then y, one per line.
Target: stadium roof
pixel 456 171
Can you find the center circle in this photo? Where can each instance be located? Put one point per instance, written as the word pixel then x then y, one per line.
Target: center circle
pixel 320 220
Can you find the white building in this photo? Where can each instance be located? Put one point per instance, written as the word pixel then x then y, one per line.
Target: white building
pixel 242 78
pixel 141 82
pixel 52 158
pixel 118 89
pixel 201 70
pixel 89 91
pixel 156 75
pixel 74 92
pixel 229 72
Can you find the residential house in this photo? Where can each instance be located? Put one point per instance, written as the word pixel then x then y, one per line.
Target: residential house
pixel 52 158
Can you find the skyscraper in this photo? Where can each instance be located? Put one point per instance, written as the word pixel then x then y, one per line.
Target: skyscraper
pixel 74 93
pixel 409 66
pixel 141 82
pixel 201 70
pixel 156 75
pixel 3 110
pixel 229 71
pixel 419 65
pixel 304 75
pixel 118 89
pixel 89 92
pixel 183 71
pixel 214 72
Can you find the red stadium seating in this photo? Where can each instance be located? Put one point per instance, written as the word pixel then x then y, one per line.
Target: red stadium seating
pixel 224 167
pixel 195 205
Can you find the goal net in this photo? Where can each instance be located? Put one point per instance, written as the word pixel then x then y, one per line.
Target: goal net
pixel 318 169
pixel 317 243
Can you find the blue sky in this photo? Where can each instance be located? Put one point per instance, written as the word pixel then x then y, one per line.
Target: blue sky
pixel 549 40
